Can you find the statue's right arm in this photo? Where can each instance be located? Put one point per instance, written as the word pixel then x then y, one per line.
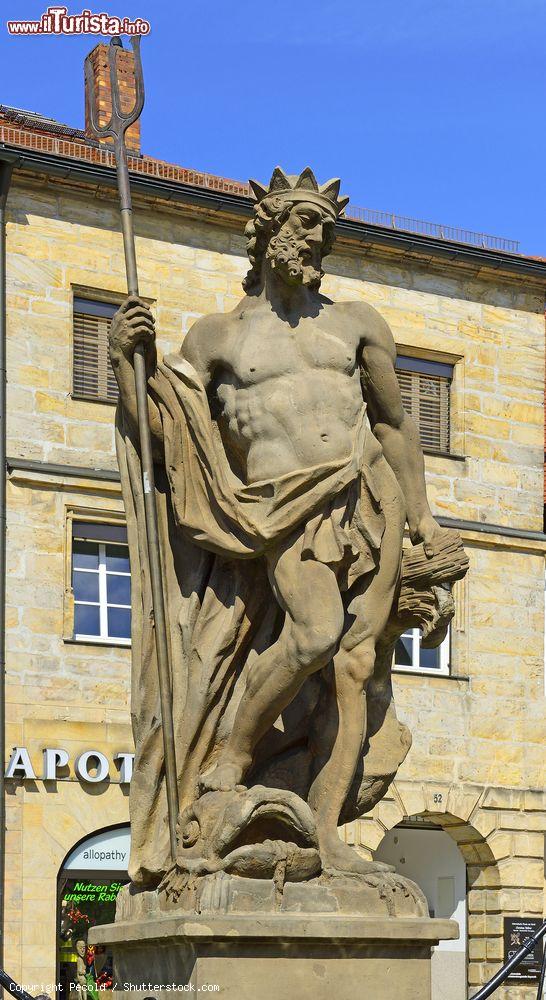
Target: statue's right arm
pixel 133 324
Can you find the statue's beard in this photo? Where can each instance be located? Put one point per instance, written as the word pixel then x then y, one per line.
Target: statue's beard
pixel 294 261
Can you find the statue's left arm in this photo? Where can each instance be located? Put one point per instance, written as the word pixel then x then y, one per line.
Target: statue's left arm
pixel 394 429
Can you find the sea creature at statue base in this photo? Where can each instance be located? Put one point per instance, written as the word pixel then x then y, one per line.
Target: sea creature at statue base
pixel 250 939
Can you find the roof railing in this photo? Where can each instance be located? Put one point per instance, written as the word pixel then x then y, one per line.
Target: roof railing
pixel 389 220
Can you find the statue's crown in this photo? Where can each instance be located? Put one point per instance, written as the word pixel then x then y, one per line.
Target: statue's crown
pixel 302 188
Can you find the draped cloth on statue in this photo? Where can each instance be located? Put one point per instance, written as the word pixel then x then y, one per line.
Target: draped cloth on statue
pixel 220 609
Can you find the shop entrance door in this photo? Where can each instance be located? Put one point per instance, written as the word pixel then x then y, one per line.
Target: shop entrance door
pixel 87 886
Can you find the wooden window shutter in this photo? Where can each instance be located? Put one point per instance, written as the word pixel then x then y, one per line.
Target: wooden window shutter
pixel 425 387
pixel 92 376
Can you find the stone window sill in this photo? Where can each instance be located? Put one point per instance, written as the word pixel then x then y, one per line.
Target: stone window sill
pixel 444 454
pixel 430 673
pixel 112 643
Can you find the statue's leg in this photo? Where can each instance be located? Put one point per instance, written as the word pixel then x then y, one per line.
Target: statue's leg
pixel 342 735
pixel 309 594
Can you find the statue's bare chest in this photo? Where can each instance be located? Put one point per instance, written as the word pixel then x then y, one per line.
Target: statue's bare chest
pixel 261 351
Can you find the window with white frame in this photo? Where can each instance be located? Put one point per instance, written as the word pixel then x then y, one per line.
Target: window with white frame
pixel 101 583
pixel 410 655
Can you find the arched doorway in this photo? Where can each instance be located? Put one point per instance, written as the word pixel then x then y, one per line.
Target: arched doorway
pixel 88 882
pixel 424 852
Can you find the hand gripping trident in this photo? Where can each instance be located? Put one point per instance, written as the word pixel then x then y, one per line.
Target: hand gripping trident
pixel 116 129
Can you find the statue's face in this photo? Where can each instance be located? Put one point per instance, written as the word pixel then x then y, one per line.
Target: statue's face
pixel 80 948
pixel 295 252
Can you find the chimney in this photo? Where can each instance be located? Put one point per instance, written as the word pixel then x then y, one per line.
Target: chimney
pixel 125 61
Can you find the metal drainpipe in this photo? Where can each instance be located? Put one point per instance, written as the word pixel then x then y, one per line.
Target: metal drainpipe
pixel 5 180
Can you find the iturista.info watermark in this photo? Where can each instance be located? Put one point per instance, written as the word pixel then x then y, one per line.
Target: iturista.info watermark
pixel 57 21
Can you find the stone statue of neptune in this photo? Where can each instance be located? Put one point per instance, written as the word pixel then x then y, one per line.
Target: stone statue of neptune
pixel 286 472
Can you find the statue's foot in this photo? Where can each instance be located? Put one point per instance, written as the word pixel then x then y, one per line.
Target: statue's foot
pixel 339 858
pixel 222 778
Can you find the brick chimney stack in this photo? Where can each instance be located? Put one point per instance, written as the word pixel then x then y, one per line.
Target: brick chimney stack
pixel 103 91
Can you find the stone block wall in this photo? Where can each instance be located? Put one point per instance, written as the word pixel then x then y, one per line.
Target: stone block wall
pixel 59 694
pixel 500 833
pixel 492 329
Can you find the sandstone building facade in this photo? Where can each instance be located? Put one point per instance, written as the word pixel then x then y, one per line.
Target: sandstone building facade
pixel 473 317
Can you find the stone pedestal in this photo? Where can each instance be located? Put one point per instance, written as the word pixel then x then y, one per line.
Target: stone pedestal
pixel 277 952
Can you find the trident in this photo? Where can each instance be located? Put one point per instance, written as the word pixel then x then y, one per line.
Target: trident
pixel 116 129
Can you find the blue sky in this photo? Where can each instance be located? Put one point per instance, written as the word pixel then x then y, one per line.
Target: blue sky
pixel 428 108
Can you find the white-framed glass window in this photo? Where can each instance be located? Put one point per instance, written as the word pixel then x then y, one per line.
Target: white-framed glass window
pixel 101 583
pixel 411 656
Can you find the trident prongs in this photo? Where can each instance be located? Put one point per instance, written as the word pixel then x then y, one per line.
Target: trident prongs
pixel 120 121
